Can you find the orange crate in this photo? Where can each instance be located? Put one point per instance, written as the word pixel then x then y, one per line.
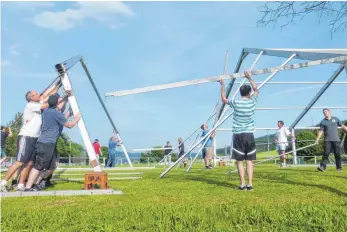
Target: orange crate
pixel 222 163
pixel 96 180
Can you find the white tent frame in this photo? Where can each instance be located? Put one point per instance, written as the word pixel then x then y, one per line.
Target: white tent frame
pixel 62 70
pixel 314 57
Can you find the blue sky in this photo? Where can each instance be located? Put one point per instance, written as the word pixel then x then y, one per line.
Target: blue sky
pixel 137 44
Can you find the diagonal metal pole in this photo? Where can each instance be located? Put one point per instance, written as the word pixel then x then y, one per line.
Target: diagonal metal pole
pixel 105 109
pixel 318 95
pixel 315 99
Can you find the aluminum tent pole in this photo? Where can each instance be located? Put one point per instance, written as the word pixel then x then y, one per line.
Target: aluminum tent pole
pixel 106 111
pixel 227 77
pixel 225 71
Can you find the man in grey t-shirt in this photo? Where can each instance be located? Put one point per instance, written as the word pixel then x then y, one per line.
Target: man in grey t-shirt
pixel 329 125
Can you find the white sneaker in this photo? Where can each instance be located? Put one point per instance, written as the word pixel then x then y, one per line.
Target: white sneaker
pixel 4 188
pixel 20 187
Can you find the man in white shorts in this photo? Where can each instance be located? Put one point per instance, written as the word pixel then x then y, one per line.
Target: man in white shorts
pixel 281 141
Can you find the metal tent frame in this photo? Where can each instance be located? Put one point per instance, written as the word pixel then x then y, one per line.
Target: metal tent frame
pixel 62 69
pixel 312 57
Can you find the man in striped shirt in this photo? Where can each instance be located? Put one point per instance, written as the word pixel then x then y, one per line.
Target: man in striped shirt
pixel 243 129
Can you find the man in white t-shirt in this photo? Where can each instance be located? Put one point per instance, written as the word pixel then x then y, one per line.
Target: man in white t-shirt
pixel 28 135
pixel 281 140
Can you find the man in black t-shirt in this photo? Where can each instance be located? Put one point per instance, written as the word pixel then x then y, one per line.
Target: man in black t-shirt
pixel 329 125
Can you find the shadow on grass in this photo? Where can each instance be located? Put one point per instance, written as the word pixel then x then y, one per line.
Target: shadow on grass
pixel 323 187
pixel 211 181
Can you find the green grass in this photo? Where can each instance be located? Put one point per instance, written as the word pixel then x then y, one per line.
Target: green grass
pixel 293 199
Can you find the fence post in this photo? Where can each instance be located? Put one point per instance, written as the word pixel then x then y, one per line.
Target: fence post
pixel 294 148
pixel 268 143
pixel 69 160
pixel 315 159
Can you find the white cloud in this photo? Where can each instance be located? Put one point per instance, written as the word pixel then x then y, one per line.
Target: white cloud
pixel 103 12
pixel 14 49
pixel 4 63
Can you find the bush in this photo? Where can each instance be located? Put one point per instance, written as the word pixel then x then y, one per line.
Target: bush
pixel 311 151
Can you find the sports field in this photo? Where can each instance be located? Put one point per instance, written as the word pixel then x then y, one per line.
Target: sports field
pixel 292 199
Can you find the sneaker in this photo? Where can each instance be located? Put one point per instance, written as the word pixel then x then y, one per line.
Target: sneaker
pixel 4 188
pixel 14 184
pixel 42 184
pixel 249 188
pixel 320 168
pixel 339 170
pixel 242 188
pixel 49 184
pixel 34 188
pixel 20 188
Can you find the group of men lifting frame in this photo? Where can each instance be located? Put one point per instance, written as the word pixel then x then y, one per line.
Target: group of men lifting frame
pixel 44 120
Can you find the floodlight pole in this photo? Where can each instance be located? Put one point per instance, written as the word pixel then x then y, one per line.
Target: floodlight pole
pixel 106 111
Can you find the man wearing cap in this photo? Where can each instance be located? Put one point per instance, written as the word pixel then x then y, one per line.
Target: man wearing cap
pixel 28 136
pixel 45 181
pixel 52 122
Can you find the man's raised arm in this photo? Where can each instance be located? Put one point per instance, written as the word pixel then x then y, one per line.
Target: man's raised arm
pixel 248 75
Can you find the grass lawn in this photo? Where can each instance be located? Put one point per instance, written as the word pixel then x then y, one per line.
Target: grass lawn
pixel 293 199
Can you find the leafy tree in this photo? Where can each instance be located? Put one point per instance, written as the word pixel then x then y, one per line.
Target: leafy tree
pixel 153 155
pixel 104 151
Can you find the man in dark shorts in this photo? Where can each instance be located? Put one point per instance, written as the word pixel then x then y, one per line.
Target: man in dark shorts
pixel 243 129
pixel 27 137
pixel 44 158
pixel 4 134
pixel 45 181
pixel 329 125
